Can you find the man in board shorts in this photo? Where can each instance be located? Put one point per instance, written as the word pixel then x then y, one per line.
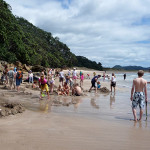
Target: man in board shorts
pixel 139 97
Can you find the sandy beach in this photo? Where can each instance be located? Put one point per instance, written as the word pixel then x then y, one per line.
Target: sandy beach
pixel 93 121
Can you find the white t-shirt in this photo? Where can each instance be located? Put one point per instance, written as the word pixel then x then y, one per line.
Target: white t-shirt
pixel 31 75
pixel 74 73
pixel 113 79
pixel 61 74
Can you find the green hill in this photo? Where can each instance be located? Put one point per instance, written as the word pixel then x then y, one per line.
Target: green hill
pixel 21 40
pixel 130 68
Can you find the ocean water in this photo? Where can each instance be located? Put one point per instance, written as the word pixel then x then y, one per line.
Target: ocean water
pixel 129 78
pixel 127 83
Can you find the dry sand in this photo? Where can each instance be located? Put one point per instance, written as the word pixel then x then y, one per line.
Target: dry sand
pixel 64 126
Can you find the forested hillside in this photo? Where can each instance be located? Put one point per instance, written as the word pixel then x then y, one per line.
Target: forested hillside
pixel 21 40
pixel 83 61
pixel 118 67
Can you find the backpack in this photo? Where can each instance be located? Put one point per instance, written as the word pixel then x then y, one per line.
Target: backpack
pixel 19 75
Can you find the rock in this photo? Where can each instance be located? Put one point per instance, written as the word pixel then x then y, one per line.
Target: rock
pixel 26 68
pixel 2 112
pixel 37 68
pixel 13 111
pixel 18 64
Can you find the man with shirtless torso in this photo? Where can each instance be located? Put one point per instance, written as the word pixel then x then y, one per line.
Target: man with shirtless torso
pixel 139 88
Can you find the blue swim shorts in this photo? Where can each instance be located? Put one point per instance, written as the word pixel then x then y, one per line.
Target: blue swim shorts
pixel 138 99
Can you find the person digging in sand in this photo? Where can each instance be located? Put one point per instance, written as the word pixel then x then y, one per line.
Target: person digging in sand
pixel 76 91
pixel 139 87
pixel 43 85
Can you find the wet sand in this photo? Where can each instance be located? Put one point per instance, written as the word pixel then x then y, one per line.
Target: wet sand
pixel 32 130
pixel 95 121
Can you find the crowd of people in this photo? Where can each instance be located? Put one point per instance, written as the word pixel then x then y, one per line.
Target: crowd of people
pixel 46 80
pixel 13 77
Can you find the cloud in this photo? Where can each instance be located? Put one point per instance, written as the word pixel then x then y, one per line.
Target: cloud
pixel 108 31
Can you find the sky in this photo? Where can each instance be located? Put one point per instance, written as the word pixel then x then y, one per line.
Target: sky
pixel 113 32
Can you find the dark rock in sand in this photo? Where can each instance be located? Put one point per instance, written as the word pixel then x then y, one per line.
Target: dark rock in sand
pixel 38 68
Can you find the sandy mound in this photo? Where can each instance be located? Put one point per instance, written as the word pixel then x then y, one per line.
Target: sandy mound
pixel 7 109
pixel 104 90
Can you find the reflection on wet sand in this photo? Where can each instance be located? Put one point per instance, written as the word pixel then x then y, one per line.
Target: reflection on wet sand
pixel 45 106
pixel 76 102
pixel 93 103
pixel 140 124
pixel 112 99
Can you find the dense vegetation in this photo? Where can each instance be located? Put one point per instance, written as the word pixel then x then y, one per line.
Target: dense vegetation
pixel 83 61
pixel 21 40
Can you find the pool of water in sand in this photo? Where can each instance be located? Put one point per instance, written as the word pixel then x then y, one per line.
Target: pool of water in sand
pixel 110 107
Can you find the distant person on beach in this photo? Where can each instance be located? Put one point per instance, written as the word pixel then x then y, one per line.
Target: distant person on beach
pixel 43 85
pixel 30 76
pixel 59 90
pixel 61 77
pixel 69 73
pixel 74 75
pixel 93 82
pixel 5 71
pixel 104 76
pixel 76 90
pixel 139 87
pixel 66 89
pixel 80 73
pixel 81 80
pixel 94 74
pixel 113 82
pixel 70 83
pixel 51 83
pixel 11 76
pixel 124 76
pixel 88 76
pixel 19 76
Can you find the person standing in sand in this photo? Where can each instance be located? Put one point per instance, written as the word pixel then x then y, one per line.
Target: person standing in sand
pixel 19 76
pixel 61 77
pixel 74 75
pixel 11 75
pixel 113 82
pixel 81 80
pixel 139 87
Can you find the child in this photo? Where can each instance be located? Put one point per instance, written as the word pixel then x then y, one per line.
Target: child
pixel 59 90
pixel 66 89
pixel 81 80
pixel 71 83
pixel 30 76
pixel 43 85
pixel 98 84
pixel 52 82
